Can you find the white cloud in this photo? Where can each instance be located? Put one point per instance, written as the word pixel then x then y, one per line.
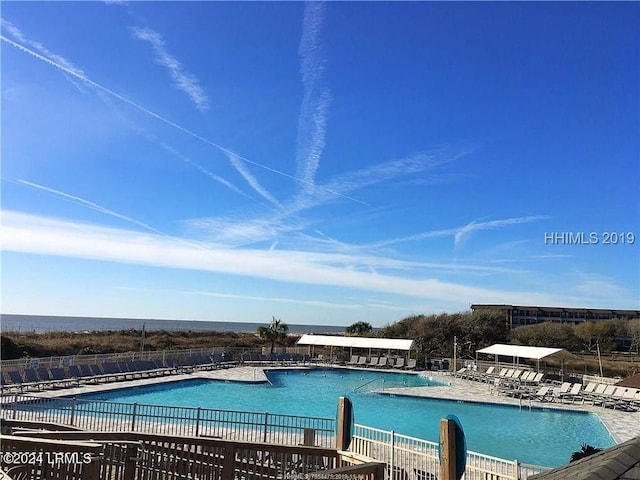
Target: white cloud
pixel 183 80
pixel 238 164
pixel 312 121
pixel 17 34
pixel 45 236
pixel 461 233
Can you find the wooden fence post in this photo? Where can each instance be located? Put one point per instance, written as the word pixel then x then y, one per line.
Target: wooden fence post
pixel 447 449
pixel 343 423
pixel 229 462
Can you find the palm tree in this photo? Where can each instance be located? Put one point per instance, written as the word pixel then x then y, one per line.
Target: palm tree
pixel 275 332
pixel 585 451
pixel 359 328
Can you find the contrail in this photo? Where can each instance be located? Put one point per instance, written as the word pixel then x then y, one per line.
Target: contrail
pixel 251 180
pixel 91 205
pixel 312 121
pixel 160 118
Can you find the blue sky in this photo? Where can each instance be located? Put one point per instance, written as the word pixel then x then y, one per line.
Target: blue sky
pixel 321 163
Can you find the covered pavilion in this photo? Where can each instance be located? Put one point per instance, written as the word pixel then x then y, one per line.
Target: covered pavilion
pixel 516 352
pixel 362 343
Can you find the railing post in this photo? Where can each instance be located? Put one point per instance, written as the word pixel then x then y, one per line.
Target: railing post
pixel 392 459
pixel 130 461
pixel 447 449
pixel 73 411
pixel 266 421
pixel 344 424
pixel 133 417
pixel 15 406
pixel 197 422
pixel 228 464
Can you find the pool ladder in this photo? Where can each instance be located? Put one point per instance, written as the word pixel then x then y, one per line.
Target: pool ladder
pixel 367 383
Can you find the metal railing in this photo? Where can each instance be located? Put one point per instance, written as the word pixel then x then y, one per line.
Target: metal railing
pixel 203 422
pixel 417 459
pixel 63 361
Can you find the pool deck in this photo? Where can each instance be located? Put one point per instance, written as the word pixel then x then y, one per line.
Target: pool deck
pixel 621 425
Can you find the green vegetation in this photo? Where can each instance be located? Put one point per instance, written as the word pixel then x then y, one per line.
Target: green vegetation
pixel 359 328
pixel 275 332
pixel 434 334
pixel 16 345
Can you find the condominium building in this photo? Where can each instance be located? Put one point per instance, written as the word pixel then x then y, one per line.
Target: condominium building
pixel 518 315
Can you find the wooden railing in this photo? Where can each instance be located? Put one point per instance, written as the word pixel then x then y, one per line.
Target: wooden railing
pixel 141 456
pixel 28 458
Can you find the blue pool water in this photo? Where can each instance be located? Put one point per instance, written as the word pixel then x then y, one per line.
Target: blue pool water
pixel 542 437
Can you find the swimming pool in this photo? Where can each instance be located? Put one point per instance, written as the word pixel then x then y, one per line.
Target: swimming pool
pixel 538 436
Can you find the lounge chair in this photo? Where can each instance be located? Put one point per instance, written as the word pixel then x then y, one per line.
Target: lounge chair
pixel 383 362
pixel 573 393
pixel 619 399
pixel 32 380
pixel 373 362
pixel 460 373
pixel 411 364
pixel 544 393
pixel 354 360
pixel 60 378
pixel 606 397
pixel 563 390
pixel 17 381
pixel 399 363
pixel 362 361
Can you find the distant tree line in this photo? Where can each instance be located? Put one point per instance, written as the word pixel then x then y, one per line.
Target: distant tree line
pixel 608 335
pixel 434 334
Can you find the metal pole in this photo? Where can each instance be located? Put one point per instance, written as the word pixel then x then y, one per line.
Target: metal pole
pixel 455 348
pixel 599 359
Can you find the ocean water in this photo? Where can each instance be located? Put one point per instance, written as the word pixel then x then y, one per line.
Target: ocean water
pixel 42 323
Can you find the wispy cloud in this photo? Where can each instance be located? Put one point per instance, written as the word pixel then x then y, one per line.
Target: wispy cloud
pixel 17 34
pixel 158 117
pixel 312 121
pixel 182 80
pixel 39 235
pixel 463 233
pixel 460 233
pixel 239 165
pixel 203 170
pixel 88 204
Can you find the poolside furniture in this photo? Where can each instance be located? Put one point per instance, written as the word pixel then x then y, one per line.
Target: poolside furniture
pixel 620 400
pixel 411 364
pixel 563 390
pixel 399 363
pixel 605 398
pixel 59 376
pixel 18 381
pixel 362 361
pixel 460 373
pixel 544 393
pixel 383 362
pixel 573 393
pixel 373 362
pixel 354 360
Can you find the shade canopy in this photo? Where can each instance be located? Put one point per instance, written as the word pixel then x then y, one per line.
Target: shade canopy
pixel 520 351
pixel 357 342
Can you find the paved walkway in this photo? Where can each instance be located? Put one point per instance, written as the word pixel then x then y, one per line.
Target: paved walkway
pixel 621 425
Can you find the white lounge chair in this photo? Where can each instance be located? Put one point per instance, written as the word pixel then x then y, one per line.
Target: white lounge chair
pixel 411 364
